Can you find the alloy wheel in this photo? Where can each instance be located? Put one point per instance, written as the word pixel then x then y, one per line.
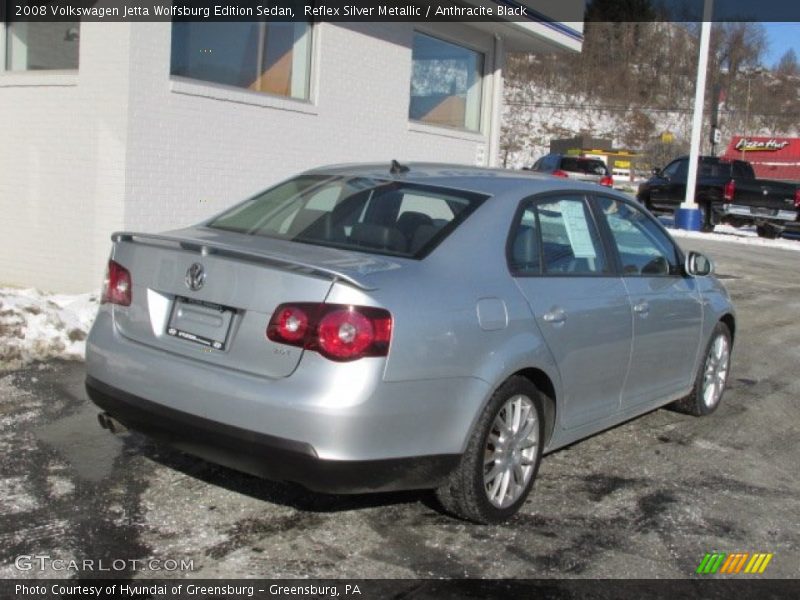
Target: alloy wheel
pixel 716 371
pixel 510 453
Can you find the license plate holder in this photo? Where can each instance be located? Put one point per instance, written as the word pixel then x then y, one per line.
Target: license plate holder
pixel 200 322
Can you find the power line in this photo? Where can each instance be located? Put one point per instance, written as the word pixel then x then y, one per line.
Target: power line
pixel 623 108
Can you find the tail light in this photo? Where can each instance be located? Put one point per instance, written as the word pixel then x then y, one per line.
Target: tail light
pixel 117 285
pixel 337 331
pixel 797 198
pixel 607 181
pixel 730 189
pixel 560 173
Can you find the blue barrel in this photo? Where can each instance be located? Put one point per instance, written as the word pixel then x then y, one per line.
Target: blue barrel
pixel 690 219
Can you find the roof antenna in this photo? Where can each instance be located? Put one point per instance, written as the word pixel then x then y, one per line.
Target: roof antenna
pixel 397 168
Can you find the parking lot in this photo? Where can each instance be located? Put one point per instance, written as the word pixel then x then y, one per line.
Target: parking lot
pixel 644 500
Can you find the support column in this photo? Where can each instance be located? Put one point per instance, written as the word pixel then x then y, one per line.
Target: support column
pixel 688 216
pixel 497 101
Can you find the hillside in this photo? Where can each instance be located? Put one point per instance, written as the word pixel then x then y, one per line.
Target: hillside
pixel 635 81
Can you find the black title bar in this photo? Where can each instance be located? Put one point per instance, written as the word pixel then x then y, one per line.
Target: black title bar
pixel 568 11
pixel 407 589
pixel 290 10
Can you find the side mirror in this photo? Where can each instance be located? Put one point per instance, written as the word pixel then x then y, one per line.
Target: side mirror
pixel 698 265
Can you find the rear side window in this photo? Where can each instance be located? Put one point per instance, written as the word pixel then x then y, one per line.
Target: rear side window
pixel 556 236
pixel 354 213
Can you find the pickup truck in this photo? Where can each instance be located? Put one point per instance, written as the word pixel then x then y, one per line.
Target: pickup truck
pixel 727 191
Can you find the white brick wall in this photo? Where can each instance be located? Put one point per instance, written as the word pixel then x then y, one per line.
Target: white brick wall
pixel 123 145
pixel 62 165
pixel 191 155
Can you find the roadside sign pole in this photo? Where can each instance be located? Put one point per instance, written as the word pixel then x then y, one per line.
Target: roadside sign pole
pixel 688 216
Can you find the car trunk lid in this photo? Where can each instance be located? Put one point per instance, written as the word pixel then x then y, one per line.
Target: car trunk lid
pixel 208 295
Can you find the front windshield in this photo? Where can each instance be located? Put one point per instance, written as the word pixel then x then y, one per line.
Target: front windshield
pixel 356 213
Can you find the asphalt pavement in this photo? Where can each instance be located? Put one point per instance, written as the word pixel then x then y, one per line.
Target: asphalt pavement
pixel 647 499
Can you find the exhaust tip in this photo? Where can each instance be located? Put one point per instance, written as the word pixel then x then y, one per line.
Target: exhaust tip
pixel 110 423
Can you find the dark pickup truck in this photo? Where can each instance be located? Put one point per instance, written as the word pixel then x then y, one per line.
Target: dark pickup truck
pixel 727 192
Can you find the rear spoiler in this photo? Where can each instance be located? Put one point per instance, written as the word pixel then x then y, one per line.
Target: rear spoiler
pixel 221 249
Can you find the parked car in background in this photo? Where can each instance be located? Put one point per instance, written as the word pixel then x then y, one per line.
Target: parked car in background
pixel 726 191
pixel 363 328
pixel 574 167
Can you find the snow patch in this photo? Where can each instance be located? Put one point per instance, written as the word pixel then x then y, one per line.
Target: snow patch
pixel 744 235
pixel 15 497
pixel 60 486
pixel 36 326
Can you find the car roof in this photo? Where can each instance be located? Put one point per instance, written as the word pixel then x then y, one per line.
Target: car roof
pixel 483 180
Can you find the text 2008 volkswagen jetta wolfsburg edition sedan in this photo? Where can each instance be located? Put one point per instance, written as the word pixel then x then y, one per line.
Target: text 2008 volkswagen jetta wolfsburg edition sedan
pixel 364 328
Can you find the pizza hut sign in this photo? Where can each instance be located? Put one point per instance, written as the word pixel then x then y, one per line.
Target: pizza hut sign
pixel 770 145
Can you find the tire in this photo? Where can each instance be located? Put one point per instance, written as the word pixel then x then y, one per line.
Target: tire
pixel 498 468
pixel 706 218
pixel 768 231
pixel 709 384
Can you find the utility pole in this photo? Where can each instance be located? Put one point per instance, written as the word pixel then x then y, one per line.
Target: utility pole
pixel 715 133
pixel 746 115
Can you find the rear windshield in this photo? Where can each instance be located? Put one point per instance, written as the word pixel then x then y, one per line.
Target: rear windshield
pixel 354 213
pixel 583 165
pixel 715 168
pixel 724 168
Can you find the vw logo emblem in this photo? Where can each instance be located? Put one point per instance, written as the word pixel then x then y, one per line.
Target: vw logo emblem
pixel 195 277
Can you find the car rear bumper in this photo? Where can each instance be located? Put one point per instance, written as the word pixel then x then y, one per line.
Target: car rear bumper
pixel 345 411
pixel 786 217
pixel 265 455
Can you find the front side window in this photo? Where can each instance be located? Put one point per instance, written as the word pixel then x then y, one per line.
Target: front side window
pixel 274 58
pixel 644 249
pixel 354 213
pixel 557 236
pixel 35 46
pixel 446 84
pixel 676 169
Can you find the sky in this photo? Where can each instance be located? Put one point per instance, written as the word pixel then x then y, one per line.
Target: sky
pixel 781 36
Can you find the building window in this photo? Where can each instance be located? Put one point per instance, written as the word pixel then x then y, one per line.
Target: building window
pixel 446 84
pixel 42 45
pixel 274 58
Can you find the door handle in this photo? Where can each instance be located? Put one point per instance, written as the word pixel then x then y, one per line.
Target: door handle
pixel 641 308
pixel 557 315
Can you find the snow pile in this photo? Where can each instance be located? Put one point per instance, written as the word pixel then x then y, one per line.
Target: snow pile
pixel 37 326
pixel 743 235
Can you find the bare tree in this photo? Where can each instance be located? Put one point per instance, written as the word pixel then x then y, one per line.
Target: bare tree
pixel 787 65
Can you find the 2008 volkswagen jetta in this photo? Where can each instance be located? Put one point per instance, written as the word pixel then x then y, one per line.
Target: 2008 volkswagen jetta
pixel 374 327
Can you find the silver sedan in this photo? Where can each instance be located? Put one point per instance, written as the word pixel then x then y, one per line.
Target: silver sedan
pixel 380 327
